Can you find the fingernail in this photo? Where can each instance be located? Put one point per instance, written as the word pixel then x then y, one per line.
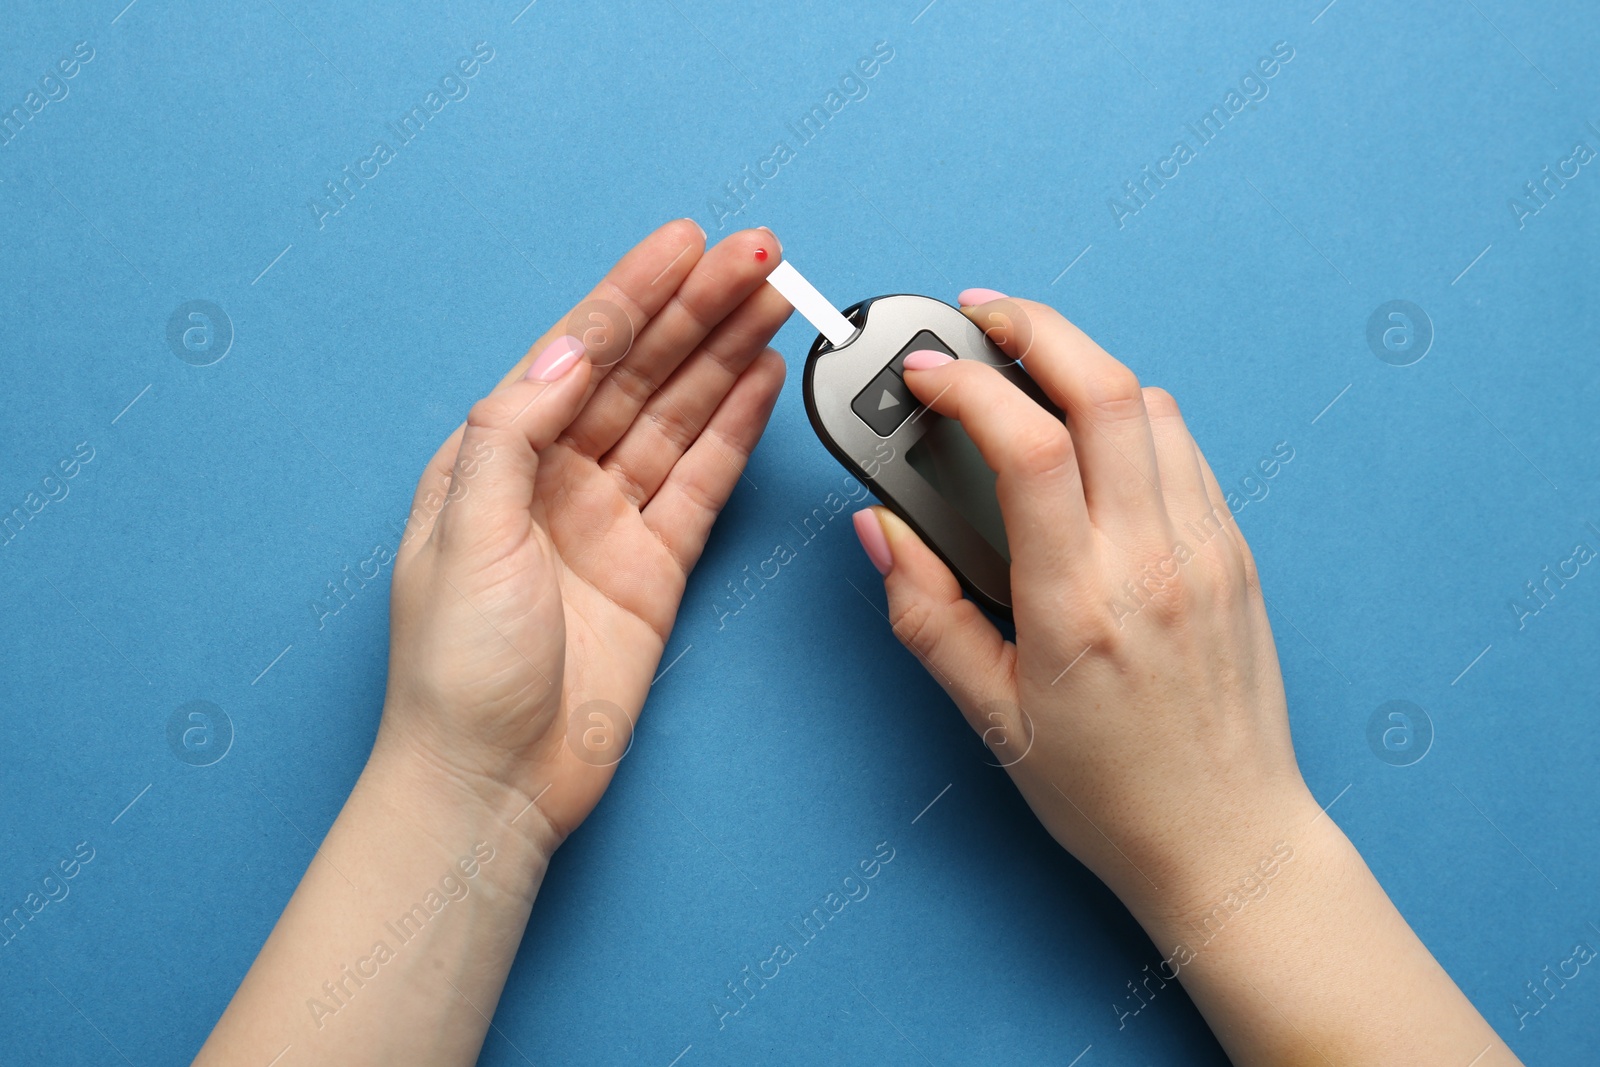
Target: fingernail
pixel 969 297
pixel 777 244
pixel 870 531
pixel 695 223
pixel 560 356
pixel 926 359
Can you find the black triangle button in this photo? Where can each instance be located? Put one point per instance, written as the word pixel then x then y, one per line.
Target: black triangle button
pixel 885 403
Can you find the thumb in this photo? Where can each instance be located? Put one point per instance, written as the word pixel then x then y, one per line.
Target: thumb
pixel 492 484
pixel 952 637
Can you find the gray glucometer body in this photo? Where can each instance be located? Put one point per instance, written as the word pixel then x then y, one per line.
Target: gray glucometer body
pixel 923 466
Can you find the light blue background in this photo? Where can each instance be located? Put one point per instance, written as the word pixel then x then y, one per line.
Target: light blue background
pixel 781 748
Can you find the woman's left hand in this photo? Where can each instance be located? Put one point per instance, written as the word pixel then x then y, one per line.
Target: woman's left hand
pixel 552 534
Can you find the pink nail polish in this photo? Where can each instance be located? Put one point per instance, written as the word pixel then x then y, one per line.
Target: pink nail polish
pixel 969 297
pixel 926 359
pixel 870 531
pixel 560 356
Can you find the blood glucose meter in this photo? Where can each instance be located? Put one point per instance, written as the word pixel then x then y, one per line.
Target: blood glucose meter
pixel 922 465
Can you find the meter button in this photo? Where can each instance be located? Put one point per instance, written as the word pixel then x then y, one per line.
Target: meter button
pixel 885 403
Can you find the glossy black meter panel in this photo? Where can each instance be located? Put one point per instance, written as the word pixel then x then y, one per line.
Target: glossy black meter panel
pixel 923 466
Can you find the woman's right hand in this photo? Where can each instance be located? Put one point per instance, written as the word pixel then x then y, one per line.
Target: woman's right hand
pixel 1143 685
pixel 1141 711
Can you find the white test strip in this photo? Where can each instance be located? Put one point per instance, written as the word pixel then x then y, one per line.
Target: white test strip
pixel 812 304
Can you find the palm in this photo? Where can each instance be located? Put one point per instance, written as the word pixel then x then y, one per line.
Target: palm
pixel 614 571
pixel 619 586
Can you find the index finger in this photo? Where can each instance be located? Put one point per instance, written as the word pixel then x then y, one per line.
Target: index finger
pixel 1103 403
pixel 1032 455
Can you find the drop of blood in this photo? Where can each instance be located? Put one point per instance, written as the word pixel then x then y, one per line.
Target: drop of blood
pixel 761 254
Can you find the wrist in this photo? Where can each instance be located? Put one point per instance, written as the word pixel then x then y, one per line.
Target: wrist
pixel 462 809
pixel 1232 861
pixel 1253 856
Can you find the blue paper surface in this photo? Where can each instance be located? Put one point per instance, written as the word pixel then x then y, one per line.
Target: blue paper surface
pixel 187 159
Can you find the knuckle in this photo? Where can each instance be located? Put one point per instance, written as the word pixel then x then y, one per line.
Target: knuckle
pixel 730 349
pixel 1100 626
pixel 1160 403
pixel 491 413
pixel 916 624
pixel 1160 591
pixel 675 429
pixel 636 385
pixel 627 484
pixel 1171 603
pixel 1252 576
pixel 1045 452
pixel 688 300
pixel 701 497
pixel 1115 392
